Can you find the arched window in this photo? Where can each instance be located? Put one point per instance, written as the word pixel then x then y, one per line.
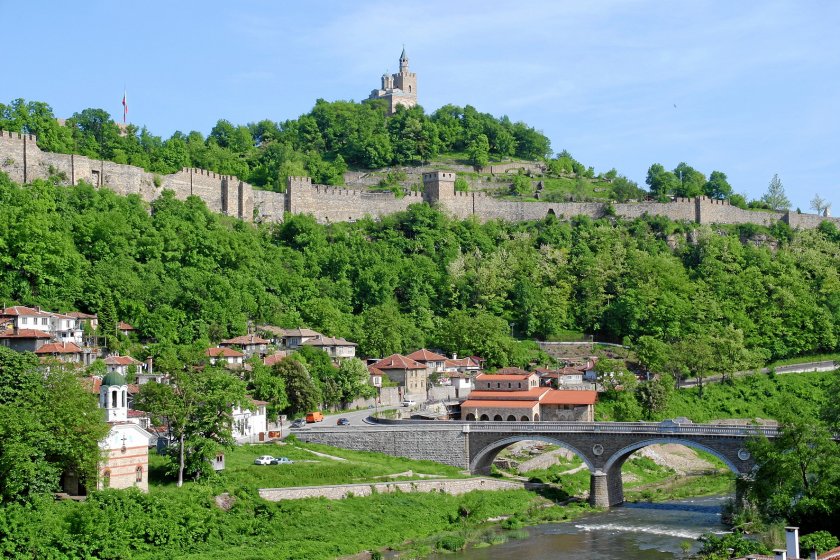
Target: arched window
pixel 139 474
pixel 511 418
pixel 497 418
pixel 484 418
pixel 470 417
pixel 106 479
pixel 536 417
pixel 114 399
pixel 524 419
pixel 409 89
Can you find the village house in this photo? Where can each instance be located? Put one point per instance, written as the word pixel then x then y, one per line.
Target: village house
pixel 412 376
pixel 66 352
pixel 61 328
pixel 434 362
pixel 455 364
pixel 24 340
pixel 85 319
pixel 227 357
pixel 124 328
pixel 123 365
pixel 376 376
pixel 337 348
pixel 250 424
pixel 274 358
pixel 250 345
pixel 291 339
pixel 518 397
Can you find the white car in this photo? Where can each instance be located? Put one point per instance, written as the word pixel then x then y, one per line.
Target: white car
pixel 263 460
pixel 407 402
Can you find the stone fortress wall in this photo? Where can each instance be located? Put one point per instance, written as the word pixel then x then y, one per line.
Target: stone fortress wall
pixel 23 161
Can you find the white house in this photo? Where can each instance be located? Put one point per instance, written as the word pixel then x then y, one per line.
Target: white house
pixel 249 425
pixel 62 328
pixel 121 364
pixel 227 356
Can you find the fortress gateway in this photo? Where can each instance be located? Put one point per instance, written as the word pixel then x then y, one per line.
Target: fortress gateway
pixel 23 161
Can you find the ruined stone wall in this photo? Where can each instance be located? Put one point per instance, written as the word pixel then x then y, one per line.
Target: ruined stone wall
pixel 808 221
pixel 710 211
pixel 269 206
pixel 24 162
pixel 455 487
pixel 332 204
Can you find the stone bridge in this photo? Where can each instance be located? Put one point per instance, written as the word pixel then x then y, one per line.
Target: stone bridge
pixel 603 446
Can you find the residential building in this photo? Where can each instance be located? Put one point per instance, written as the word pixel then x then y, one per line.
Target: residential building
pixel 250 424
pixel 124 328
pixel 435 363
pixel 337 348
pixel 462 365
pixel 250 345
pixel 85 319
pixel 66 352
pixel 518 397
pixel 123 365
pixel 289 339
pixel 411 375
pixel 274 358
pixel 225 356
pixel 62 328
pixel 376 376
pixel 24 340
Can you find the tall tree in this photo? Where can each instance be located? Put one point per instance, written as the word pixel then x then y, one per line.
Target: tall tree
pixel 775 196
pixel 302 391
pixel 820 205
pixel 197 406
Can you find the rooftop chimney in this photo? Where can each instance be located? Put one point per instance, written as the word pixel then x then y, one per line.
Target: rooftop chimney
pixel 149 365
pixel 792 541
pixel 779 554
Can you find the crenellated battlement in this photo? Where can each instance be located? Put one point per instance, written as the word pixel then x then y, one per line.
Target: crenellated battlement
pixel 24 162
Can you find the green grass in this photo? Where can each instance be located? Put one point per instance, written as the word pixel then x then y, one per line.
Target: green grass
pixel 307 470
pixel 754 396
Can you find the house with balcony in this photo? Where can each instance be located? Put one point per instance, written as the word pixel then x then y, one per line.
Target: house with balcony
pixel 250 423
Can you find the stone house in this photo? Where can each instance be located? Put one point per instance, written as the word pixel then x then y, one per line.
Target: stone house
pixel 435 363
pixel 290 339
pixel 66 352
pixel 250 345
pixel 226 356
pixel 412 376
pixel 24 340
pixel 337 348
pixel 518 397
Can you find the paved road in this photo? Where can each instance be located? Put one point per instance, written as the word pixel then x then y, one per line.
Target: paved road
pixel 356 418
pixel 827 365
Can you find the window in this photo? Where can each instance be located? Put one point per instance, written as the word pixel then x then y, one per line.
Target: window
pixel 510 385
pixel 123 398
pixel 44 321
pixel 106 479
pixel 138 474
pixel 113 399
pixel 23 320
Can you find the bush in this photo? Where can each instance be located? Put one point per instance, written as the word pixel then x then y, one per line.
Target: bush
pixel 452 543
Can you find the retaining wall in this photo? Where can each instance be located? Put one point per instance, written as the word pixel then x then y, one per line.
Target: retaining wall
pixel 454 487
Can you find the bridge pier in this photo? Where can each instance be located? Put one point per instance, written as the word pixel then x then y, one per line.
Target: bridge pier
pixel 605 489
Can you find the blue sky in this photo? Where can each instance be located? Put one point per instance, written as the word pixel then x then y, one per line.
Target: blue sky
pixel 756 84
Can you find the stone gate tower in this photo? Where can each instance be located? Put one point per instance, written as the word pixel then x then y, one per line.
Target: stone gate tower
pixel 398 89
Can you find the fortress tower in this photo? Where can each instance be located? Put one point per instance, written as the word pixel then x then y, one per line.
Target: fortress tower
pixel 398 89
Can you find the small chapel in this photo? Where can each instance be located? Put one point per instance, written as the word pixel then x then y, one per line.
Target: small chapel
pixel 398 89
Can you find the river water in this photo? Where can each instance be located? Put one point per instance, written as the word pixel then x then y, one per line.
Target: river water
pixel 642 531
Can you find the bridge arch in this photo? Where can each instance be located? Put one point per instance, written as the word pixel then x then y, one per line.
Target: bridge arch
pixel 484 458
pixel 617 459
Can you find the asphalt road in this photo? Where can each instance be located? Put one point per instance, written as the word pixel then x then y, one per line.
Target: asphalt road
pixel 356 418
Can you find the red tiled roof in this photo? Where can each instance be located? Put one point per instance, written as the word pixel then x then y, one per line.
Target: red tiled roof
pixel 24 333
pixel 123 326
pixel 136 413
pixel 92 384
pixel 18 310
pixel 245 340
pixel 133 388
pixel 396 361
pixel 58 348
pixel 498 404
pixel 274 358
pixel 557 396
pixel 534 394
pixel 374 371
pixel 462 362
pixel 120 361
pixel 503 377
pixel 257 402
pixel 424 355
pixel 223 352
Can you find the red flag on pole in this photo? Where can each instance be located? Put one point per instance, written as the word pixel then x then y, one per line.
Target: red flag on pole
pixel 125 105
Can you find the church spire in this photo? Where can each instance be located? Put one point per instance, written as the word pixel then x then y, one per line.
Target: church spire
pixel 403 61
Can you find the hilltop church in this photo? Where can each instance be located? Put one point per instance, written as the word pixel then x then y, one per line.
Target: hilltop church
pixel 398 89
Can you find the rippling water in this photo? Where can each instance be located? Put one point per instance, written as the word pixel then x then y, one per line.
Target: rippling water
pixel 644 531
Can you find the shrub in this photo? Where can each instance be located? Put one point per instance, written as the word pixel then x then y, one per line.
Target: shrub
pixel 452 543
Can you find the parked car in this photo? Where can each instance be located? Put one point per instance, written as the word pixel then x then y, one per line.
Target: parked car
pixel 264 460
pixel 408 402
pixel 281 461
pixel 299 423
pixel 314 417
pixel 343 422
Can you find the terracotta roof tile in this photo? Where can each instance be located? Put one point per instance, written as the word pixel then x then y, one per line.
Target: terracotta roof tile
pixel 557 396
pixel 424 355
pixel 396 361
pixel 498 404
pixel 24 333
pixel 274 358
pixel 58 348
pixel 503 377
pixel 123 326
pixel 245 340
pixel 120 361
pixel 534 393
pixel 223 352
pixel 512 371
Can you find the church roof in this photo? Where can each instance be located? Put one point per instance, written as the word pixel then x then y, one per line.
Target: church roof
pixel 113 379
